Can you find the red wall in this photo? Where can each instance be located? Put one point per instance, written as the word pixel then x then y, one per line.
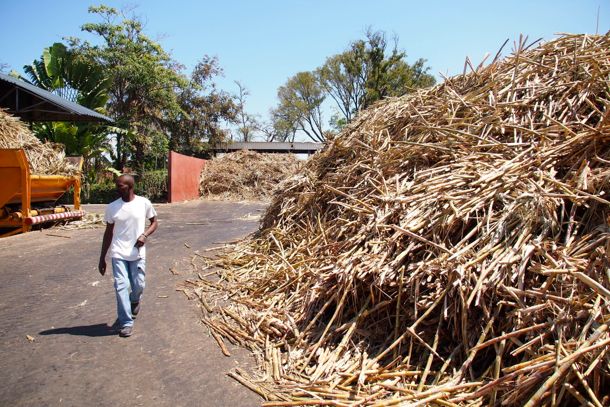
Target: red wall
pixel 184 172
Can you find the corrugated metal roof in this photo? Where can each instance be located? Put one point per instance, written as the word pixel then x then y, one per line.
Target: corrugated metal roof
pixel 32 103
pixel 296 147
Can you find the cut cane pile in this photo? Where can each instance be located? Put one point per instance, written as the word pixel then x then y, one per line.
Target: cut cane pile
pixel 449 247
pixel 246 175
pixel 43 158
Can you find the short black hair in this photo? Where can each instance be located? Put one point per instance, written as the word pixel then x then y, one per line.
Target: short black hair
pixel 128 178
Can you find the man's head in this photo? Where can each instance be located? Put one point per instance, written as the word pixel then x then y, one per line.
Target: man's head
pixel 124 186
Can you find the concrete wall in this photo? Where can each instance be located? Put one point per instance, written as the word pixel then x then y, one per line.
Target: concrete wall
pixel 184 172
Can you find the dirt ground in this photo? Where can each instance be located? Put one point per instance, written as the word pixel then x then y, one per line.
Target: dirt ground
pixel 55 308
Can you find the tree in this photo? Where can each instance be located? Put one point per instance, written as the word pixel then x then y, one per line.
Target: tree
pixel 368 71
pixel 343 79
pixel 71 76
pixel 247 123
pixel 281 128
pixel 299 107
pixel 203 111
pixel 143 83
pixel 267 130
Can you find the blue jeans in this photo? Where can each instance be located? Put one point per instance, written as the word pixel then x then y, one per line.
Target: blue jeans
pixel 129 282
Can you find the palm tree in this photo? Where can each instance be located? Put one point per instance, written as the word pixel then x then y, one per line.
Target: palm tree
pixel 78 80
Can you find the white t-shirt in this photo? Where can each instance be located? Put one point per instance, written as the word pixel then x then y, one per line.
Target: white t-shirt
pixel 129 219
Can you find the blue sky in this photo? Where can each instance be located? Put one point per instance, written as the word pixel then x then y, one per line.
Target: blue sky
pixel 262 43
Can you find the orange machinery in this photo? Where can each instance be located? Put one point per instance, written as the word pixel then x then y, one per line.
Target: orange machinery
pixel 27 199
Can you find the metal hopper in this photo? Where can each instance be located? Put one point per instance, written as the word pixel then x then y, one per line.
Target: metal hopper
pixel 27 199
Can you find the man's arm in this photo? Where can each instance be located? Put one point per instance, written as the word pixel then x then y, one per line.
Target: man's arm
pixel 105 246
pixel 149 231
pixel 152 227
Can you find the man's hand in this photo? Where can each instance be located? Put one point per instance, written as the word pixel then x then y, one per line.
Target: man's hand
pixel 105 245
pixel 102 266
pixel 141 240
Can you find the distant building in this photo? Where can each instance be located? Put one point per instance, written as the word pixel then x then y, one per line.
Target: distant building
pixel 301 149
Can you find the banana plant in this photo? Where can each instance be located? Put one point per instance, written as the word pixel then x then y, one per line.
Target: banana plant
pixel 76 79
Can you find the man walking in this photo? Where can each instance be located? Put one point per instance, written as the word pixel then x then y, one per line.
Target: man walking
pixel 125 236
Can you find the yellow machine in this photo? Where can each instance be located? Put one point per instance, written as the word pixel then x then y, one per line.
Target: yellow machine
pixel 27 199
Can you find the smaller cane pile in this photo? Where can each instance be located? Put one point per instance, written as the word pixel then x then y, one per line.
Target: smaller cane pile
pixel 450 247
pixel 88 221
pixel 43 158
pixel 246 175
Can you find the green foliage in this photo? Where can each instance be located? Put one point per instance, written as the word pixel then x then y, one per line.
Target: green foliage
pixel 143 80
pixel 282 127
pixel 155 106
pixel 64 72
pixel 367 72
pixel 299 107
pixel 247 123
pixel 131 78
pixel 87 140
pixel 354 79
pixel 69 75
pixel 204 110
pixel 153 185
pixel 100 193
pixel 338 122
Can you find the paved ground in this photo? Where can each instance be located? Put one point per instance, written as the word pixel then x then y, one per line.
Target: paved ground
pixel 55 348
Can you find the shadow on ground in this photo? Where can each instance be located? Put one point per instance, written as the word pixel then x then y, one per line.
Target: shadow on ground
pixel 83 330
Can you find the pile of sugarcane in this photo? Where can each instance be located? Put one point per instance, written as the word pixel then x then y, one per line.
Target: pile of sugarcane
pixel 88 221
pixel 246 175
pixel 43 158
pixel 449 247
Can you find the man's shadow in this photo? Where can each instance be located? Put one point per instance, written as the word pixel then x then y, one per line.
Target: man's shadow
pixel 84 330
